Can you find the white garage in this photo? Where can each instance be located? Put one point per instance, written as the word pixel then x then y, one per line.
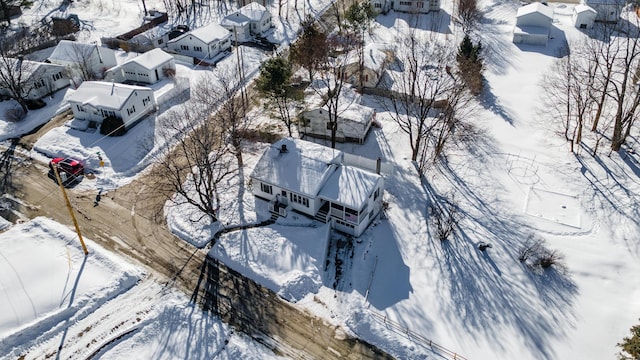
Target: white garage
pixel 533 23
pixel 583 16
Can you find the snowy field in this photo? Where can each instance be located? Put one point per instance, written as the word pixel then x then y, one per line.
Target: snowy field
pixel 518 180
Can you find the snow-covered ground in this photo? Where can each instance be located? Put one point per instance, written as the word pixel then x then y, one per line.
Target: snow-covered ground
pixel 517 180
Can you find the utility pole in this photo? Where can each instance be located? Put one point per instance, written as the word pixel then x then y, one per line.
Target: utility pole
pixel 144 6
pixel 73 217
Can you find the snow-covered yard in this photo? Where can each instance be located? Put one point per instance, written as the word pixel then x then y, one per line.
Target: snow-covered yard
pixel 516 180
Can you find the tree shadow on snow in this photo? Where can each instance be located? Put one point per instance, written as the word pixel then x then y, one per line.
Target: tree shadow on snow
pixel 490 291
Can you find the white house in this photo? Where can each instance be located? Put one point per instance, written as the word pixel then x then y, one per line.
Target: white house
pixel 375 61
pixel 149 68
pixel 583 16
pixel 298 175
pixel 157 37
pixel 38 79
pixel 202 43
pixel 87 61
pixel 415 6
pixel 259 18
pixel 239 26
pixel 533 24
pixel 380 6
pixel 354 122
pixel 606 10
pixel 250 20
pixel 94 101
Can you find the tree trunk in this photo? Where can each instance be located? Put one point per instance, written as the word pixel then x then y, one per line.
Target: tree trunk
pixel 5 11
pixel 617 140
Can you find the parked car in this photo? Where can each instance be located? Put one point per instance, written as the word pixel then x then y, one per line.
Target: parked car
pixel 71 171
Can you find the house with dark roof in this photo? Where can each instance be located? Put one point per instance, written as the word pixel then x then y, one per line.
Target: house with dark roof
pixel 311 179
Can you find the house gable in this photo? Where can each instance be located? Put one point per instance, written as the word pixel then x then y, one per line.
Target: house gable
pixel 314 163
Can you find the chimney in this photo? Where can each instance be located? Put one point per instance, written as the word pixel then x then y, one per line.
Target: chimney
pixel 283 148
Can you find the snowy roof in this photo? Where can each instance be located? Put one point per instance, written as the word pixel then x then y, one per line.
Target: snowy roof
pixel 580 8
pixel 302 168
pixel 72 51
pixel 350 186
pixel 253 11
pixel 535 7
pixel 356 112
pixel 374 57
pixel 30 67
pixel 208 33
pixel 104 94
pixel 151 59
pixel 234 19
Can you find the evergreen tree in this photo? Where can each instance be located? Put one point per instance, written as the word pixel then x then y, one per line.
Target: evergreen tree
pixel 6 7
pixel 470 64
pixel 310 50
pixel 631 345
pixel 275 82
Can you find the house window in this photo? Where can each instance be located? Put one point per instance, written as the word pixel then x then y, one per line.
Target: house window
pixel 80 108
pixel 299 199
pixel 405 3
pixel 160 41
pixel 265 188
pixel 131 110
pixel 351 215
pixel 197 48
pixel 377 5
pixel 146 101
pixel 184 47
pixel 376 194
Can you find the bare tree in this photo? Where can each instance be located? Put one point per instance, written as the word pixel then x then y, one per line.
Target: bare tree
pixel 623 86
pixel 193 162
pixel 358 21
pixel 332 80
pixel 419 100
pixel 275 82
pixel 81 55
pixel 445 218
pixel 311 48
pixel 218 94
pixel 15 77
pixel 468 15
pixel 569 92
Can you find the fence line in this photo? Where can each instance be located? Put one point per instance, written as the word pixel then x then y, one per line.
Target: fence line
pixel 421 340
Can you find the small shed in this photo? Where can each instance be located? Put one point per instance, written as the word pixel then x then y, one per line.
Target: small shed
pixel 354 122
pixel 533 24
pixel 583 16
